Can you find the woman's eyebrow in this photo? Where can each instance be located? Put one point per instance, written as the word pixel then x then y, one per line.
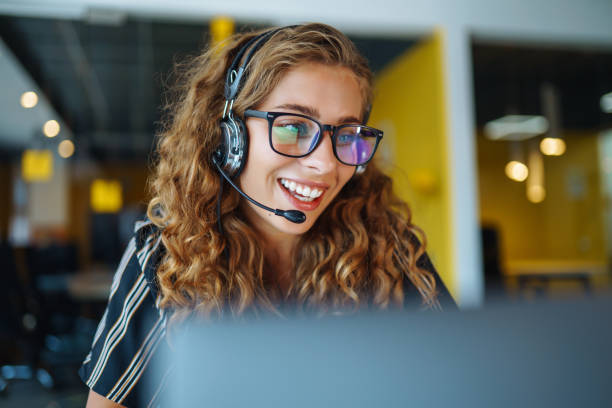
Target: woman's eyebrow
pixel 306 110
pixel 313 112
pixel 349 119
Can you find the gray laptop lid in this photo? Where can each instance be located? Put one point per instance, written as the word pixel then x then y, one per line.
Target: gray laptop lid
pixel 557 355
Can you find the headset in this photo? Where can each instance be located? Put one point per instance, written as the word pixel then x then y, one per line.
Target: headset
pixel 231 154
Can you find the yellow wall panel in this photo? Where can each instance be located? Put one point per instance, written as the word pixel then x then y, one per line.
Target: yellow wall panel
pixel 568 225
pixel 37 165
pixel 106 196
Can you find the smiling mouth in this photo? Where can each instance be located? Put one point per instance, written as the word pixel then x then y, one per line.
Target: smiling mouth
pixel 301 192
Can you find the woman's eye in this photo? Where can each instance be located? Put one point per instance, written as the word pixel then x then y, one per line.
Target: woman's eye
pixel 297 129
pixel 289 133
pixel 345 138
pixel 300 128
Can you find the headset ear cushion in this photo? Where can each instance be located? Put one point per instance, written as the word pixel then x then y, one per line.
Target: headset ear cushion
pixel 220 153
pixel 234 146
pixel 218 156
pixel 243 145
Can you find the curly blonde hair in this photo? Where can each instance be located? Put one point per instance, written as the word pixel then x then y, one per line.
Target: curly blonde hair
pixel 357 254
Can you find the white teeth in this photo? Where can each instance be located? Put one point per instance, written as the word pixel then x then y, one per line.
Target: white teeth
pixel 303 193
pixel 307 199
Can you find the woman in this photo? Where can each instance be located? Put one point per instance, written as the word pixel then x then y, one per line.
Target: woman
pixel 292 103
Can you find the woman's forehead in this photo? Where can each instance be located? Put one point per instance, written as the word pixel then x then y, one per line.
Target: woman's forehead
pixel 328 92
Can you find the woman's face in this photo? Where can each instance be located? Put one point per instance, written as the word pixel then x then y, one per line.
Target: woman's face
pixel 329 94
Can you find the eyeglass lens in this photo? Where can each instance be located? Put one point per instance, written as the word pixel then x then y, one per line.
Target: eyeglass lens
pixel 297 136
pixel 355 144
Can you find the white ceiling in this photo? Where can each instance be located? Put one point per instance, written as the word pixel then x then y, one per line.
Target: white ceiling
pixel 563 21
pixel 543 20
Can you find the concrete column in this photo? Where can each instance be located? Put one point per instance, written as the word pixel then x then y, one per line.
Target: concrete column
pixel 466 246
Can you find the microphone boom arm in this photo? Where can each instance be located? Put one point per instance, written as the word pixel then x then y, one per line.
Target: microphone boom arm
pixel 294 216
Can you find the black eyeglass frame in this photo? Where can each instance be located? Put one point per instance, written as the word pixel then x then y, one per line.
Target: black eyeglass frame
pixel 271 116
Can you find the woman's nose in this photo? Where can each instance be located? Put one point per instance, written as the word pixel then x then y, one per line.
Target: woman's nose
pixel 322 158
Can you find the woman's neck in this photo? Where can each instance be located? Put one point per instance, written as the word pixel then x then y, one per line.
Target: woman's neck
pixel 278 250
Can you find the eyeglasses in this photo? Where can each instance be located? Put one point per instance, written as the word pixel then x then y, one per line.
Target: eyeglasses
pixel 295 135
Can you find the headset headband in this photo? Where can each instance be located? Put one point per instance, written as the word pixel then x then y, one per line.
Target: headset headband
pixel 233 77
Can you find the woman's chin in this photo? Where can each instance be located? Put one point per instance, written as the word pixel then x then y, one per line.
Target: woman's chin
pixel 268 223
pixel 292 228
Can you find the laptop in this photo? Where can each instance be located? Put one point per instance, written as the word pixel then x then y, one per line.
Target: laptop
pixel 521 355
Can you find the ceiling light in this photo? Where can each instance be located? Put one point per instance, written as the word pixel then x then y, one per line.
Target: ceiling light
pixel 606 102
pixel 29 99
pixel 65 148
pixel 552 146
pixel 517 171
pixel 51 128
pixel 536 194
pixel 536 191
pixel 516 127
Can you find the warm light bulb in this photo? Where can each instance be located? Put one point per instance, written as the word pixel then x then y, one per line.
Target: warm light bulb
pixel 51 128
pixel 517 171
pixel 552 146
pixel 536 194
pixel 65 148
pixel 29 99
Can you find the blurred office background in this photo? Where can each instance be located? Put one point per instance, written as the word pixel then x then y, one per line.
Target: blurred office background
pixel 498 131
